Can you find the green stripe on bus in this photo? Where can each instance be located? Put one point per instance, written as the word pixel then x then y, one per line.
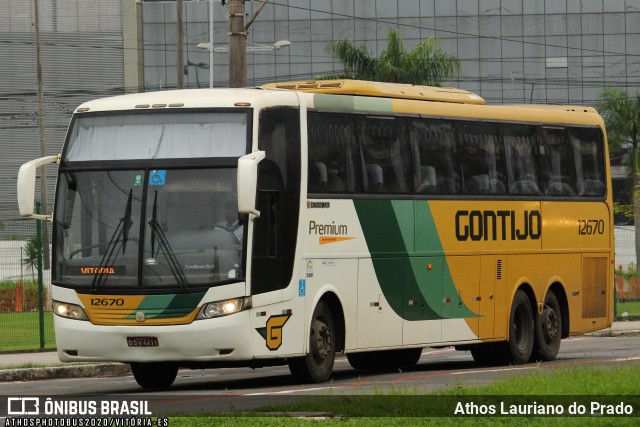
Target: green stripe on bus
pixel 389 228
pixel 352 103
pixel 168 306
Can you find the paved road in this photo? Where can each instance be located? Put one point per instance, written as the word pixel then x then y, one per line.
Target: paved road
pixel 225 390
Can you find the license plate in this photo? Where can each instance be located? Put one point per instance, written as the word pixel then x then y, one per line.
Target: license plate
pixel 142 341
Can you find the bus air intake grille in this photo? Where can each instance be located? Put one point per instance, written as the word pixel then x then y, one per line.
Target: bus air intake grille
pixel 594 284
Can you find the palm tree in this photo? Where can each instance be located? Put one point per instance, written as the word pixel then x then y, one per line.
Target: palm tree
pixel 30 260
pixel 426 64
pixel 621 114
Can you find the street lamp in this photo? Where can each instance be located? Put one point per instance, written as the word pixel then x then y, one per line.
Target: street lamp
pixel 253 47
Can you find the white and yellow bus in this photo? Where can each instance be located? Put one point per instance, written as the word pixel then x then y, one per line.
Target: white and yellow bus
pixel 287 223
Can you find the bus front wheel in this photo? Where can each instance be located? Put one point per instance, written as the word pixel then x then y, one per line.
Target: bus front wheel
pixel 317 365
pixel 548 329
pixel 154 375
pixel 519 348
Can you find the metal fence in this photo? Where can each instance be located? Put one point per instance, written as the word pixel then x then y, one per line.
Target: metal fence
pixel 26 320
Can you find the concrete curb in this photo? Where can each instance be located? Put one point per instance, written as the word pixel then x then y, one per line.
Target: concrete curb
pixel 75 371
pixel 614 333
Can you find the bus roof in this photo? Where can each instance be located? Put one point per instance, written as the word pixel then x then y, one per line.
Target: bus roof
pixel 431 101
pixel 351 95
pixel 188 98
pixel 379 89
pixel 557 107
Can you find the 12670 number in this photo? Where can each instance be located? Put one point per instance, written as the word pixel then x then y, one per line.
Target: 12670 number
pixel 588 227
pixel 103 302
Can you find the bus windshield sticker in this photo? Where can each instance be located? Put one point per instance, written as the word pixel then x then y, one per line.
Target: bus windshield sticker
pixel 115 270
pixel 137 180
pixel 157 177
pixel 309 268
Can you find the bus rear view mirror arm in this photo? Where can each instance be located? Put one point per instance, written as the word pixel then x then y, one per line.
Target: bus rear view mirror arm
pixel 27 186
pixel 247 182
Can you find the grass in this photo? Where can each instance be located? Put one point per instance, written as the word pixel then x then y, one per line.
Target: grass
pixel 27 365
pixel 580 384
pixel 21 331
pixel 632 308
pixel 11 284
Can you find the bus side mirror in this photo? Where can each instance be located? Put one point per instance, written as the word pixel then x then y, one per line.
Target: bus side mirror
pixel 27 186
pixel 248 181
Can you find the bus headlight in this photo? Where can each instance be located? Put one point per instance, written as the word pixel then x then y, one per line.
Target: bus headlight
pixel 70 311
pixel 224 308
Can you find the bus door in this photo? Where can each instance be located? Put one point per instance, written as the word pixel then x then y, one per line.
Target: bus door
pixel 267 263
pixel 275 330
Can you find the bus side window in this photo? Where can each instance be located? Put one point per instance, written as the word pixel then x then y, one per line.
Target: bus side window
pixel 556 163
pixel 521 162
pixel 482 161
pixel 589 161
pixel 386 154
pixel 331 167
pixel 433 150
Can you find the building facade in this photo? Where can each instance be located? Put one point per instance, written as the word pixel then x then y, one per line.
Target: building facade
pixel 512 51
pixel 81 49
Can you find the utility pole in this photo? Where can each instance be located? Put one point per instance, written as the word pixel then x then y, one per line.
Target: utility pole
pixel 237 45
pixel 180 42
pixel 210 43
pixel 43 172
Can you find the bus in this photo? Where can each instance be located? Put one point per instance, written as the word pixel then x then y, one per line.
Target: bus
pixel 290 223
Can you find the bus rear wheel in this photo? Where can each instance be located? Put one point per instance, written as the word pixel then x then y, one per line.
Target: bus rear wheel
pixel 317 365
pixel 154 375
pixel 548 327
pixel 519 348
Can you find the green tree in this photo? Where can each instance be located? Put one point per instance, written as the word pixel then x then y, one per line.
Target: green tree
pixel 426 64
pixel 30 253
pixel 621 114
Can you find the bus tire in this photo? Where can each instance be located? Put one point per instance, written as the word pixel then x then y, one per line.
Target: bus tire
pixel 362 361
pixel 519 348
pixel 317 365
pixel 485 354
pixel 154 375
pixel 408 357
pixel 548 329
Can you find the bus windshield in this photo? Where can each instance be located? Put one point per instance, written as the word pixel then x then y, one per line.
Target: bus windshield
pixel 159 135
pixel 147 229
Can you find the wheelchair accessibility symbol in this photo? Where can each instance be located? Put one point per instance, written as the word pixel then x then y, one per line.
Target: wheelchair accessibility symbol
pixel 157 177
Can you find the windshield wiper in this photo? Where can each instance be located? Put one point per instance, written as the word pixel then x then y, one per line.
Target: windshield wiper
pixel 163 243
pixel 122 230
pixel 126 225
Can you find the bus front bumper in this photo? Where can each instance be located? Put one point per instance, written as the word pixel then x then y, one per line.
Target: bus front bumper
pixel 220 339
